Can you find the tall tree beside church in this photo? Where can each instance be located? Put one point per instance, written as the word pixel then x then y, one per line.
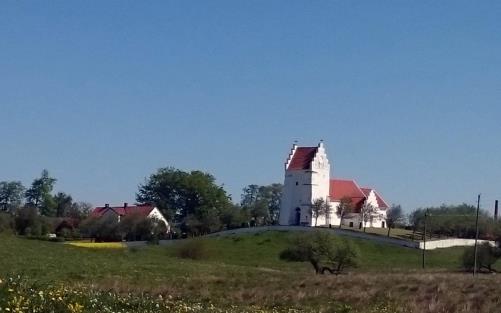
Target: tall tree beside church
pixel 11 195
pixel 345 207
pixel 190 198
pixel 250 195
pixel 39 194
pixel 263 202
pixel 273 195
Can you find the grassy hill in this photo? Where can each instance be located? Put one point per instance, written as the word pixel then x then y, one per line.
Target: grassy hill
pixel 242 270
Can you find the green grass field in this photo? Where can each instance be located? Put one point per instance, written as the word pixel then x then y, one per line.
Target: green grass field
pixel 242 269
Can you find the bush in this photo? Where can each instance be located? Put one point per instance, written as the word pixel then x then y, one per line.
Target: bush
pixel 6 223
pixel 104 229
pixel 27 222
pixel 323 252
pixel 194 249
pixel 293 254
pixel 487 255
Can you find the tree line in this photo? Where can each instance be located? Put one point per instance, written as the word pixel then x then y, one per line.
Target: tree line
pixel 34 210
pixel 454 221
pixel 40 197
pixel 195 204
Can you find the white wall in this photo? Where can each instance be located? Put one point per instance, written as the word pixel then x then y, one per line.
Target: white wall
pixel 447 243
pixel 155 214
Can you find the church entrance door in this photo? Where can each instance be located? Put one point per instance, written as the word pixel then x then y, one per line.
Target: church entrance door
pixel 298 216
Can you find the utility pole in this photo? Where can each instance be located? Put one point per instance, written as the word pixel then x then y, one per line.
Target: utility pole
pixel 476 238
pixel 424 239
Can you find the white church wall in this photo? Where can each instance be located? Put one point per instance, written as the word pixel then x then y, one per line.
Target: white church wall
pixel 333 218
pixel 372 199
pixel 320 180
pixel 296 194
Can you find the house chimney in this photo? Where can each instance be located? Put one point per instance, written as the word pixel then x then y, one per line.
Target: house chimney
pixel 496 206
pixel 106 205
pixel 126 205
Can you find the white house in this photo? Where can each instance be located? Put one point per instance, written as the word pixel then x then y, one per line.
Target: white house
pixel 307 178
pixel 144 210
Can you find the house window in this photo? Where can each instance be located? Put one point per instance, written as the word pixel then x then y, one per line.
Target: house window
pixel 351 224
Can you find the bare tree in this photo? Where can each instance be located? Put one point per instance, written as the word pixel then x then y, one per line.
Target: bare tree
pixel 345 207
pixel 367 213
pixel 394 216
pixel 320 207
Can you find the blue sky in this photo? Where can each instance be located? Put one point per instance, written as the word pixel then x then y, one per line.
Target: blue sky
pixel 405 94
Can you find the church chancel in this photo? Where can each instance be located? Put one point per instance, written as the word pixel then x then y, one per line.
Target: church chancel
pixel 307 179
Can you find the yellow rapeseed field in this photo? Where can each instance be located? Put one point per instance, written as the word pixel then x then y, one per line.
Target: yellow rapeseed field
pixel 98 245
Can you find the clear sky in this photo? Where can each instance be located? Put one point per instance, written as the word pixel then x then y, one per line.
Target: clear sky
pixel 405 94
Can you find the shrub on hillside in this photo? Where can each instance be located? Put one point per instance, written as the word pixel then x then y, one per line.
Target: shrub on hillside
pixel 28 222
pixel 487 255
pixel 194 249
pixel 6 223
pixel 293 254
pixel 323 252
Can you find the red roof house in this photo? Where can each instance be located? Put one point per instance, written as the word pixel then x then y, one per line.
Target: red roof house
pixel 144 210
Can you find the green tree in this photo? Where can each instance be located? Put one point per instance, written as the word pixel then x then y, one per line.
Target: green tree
pixel 105 228
pixel 323 252
pixel 139 227
pixel 79 210
pixel 39 194
pixel 263 202
pixel 250 195
pixel 272 194
pixel 455 221
pixel 11 195
pixel 259 212
pixel 63 203
pixel 186 197
pixel 394 216
pixel 344 208
pixel 28 222
pixel 233 217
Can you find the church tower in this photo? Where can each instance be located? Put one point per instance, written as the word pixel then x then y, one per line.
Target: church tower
pixel 307 178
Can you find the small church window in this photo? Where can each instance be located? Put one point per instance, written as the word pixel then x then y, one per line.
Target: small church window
pixel 297 183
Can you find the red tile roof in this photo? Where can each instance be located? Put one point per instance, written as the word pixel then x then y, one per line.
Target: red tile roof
pixel 302 158
pixel 341 188
pixel 144 210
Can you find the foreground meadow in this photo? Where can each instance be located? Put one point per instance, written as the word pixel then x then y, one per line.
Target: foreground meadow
pixel 238 274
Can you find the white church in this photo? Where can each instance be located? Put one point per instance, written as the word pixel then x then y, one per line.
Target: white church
pixel 307 178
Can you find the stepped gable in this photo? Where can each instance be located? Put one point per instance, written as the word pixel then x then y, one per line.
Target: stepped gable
pixel 380 201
